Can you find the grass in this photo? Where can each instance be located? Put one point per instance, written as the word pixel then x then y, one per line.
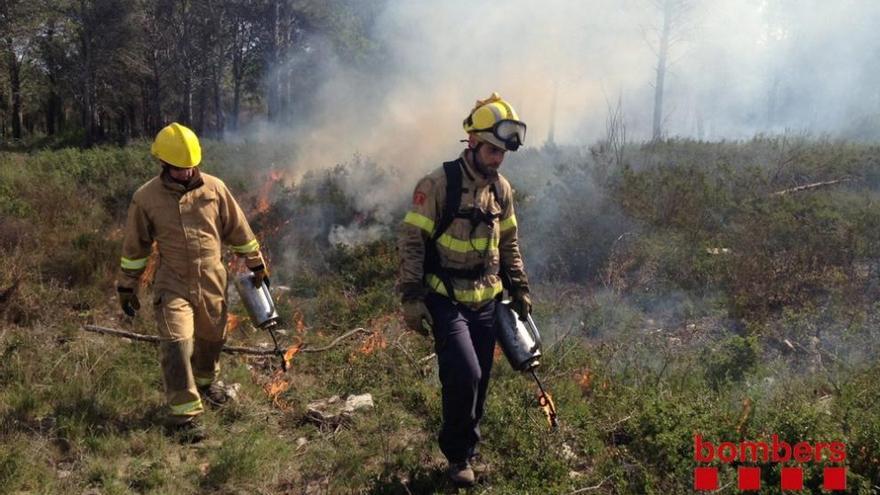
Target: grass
pixel 650 338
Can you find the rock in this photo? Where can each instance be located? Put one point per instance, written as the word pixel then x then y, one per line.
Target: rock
pixel 357 402
pixel 301 441
pixel 334 411
pixel 567 453
pixel 230 390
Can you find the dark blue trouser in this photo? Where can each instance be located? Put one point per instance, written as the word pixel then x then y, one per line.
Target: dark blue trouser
pixel 465 343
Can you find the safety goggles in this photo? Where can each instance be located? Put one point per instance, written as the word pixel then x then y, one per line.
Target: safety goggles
pixel 510 132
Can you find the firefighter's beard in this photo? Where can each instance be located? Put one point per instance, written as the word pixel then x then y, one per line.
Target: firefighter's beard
pixel 488 172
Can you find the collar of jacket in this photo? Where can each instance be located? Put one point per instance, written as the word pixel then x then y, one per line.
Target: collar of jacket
pixel 473 174
pixel 195 181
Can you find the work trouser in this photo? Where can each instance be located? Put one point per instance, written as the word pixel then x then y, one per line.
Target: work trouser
pixel 192 338
pixel 465 343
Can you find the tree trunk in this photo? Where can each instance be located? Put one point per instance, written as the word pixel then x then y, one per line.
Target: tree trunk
pixel 660 81
pixel 219 117
pixel 15 90
pixel 88 110
pixel 200 127
pixel 272 96
pixel 237 74
pixel 185 116
pixel 155 100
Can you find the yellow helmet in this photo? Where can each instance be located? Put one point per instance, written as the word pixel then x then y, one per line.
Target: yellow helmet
pixel 494 121
pixel 177 145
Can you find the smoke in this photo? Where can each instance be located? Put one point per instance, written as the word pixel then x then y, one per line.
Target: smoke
pixel 737 68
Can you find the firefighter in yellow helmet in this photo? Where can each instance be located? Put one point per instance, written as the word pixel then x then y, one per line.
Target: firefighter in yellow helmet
pixel 189 215
pixel 459 250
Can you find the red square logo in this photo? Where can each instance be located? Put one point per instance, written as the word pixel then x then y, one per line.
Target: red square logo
pixel 834 478
pixel 705 478
pixel 792 478
pixel 749 478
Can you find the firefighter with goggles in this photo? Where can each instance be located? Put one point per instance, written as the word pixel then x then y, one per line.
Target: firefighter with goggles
pixel 189 215
pixel 459 250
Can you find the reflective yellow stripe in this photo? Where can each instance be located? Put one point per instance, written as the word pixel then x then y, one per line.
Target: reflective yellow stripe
pixel 508 223
pixel 463 246
pixel 130 264
pixel 446 240
pixel 187 408
pixel 419 221
pixel 201 382
pixel 247 248
pixel 465 296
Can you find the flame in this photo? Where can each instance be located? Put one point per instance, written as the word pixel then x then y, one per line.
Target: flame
pixel 276 386
pixel 291 351
pixel 300 323
pixel 265 189
pixel 375 341
pixel 545 401
pixel 585 380
pixel 152 264
pixel 232 322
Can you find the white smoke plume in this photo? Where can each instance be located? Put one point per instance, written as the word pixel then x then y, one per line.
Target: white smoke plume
pixel 738 67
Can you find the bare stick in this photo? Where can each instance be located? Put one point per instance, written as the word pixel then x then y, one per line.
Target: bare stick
pixel 122 333
pixel 226 348
pixel 336 340
pixel 806 187
pixel 591 488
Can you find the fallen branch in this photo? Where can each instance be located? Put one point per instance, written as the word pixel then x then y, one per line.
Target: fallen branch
pixel 252 351
pixel 121 333
pixel 807 187
pixel 336 340
pixel 590 488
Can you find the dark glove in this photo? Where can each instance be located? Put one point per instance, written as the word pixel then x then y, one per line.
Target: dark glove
pixel 417 317
pixel 260 274
pixel 128 300
pixel 521 303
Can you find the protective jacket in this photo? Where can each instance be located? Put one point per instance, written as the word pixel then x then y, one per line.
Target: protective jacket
pixel 189 223
pixel 480 239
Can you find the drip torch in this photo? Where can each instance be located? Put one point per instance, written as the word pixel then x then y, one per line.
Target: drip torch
pixel 258 302
pixel 521 343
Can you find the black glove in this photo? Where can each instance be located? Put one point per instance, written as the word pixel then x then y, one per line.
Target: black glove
pixel 412 292
pixel 521 303
pixel 417 317
pixel 128 300
pixel 260 274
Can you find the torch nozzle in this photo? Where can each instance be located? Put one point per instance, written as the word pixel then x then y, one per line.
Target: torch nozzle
pixel 546 402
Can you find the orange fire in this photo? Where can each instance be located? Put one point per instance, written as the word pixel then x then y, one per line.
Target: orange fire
pixel 152 263
pixel 265 189
pixel 585 380
pixel 276 386
pixel 548 408
pixel 300 323
pixel 375 341
pixel 232 322
pixel 291 351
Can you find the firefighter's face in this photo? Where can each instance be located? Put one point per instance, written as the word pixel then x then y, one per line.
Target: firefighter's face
pixel 182 174
pixel 487 155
